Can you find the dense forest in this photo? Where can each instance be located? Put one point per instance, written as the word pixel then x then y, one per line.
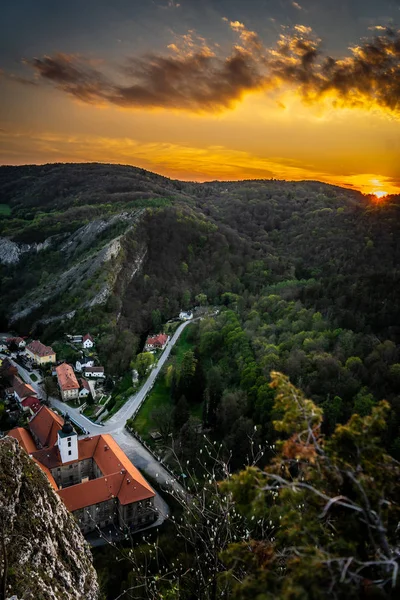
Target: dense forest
pixel 306 277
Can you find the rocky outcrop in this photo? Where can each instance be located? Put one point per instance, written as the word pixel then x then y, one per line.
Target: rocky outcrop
pixel 43 554
pixel 102 266
pixel 10 251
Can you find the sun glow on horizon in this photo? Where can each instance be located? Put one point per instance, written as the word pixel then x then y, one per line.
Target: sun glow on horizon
pixel 379 194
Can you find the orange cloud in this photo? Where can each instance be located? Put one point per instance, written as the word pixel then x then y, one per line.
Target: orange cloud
pixel 195 78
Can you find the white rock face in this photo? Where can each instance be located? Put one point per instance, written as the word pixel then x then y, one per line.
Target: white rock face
pixel 48 557
pixel 10 251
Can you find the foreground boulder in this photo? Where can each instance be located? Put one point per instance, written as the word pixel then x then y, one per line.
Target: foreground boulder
pixel 42 551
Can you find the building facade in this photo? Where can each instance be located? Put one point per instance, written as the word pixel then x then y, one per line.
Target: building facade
pixel 67 382
pixel 94 478
pixel 40 353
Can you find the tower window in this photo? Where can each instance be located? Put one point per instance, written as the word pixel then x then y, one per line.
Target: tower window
pixel 69 452
pixel 69 444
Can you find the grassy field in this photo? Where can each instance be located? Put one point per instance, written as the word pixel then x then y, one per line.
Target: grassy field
pixel 5 210
pixel 160 395
pixel 33 377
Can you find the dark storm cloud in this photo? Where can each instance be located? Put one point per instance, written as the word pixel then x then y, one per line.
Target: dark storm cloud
pixel 197 81
pixel 195 78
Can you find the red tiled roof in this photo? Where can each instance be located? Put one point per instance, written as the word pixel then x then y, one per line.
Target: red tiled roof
pixel 36 347
pixel 44 425
pixel 32 403
pixel 110 459
pixel 120 477
pixel 157 340
pixel 16 340
pixel 24 438
pixel 22 389
pixel 49 457
pixel 84 384
pixel 87 337
pixel 66 377
pixel 91 492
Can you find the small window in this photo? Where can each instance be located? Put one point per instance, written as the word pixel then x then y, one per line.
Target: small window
pixel 69 444
pixel 68 439
pixel 69 452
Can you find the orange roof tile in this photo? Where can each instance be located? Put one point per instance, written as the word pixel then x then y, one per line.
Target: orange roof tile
pixel 110 459
pixel 24 438
pixel 91 492
pixel 48 457
pixel 157 340
pixel 44 425
pixel 66 377
pixel 23 390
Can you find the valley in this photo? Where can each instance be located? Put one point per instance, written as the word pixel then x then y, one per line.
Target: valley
pixel 296 280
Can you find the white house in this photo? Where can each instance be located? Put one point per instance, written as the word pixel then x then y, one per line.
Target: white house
pixel 87 341
pixel 84 392
pixel 97 372
pixel 82 363
pixel 185 316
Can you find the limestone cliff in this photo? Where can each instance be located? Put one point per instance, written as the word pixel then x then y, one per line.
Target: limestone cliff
pixel 43 555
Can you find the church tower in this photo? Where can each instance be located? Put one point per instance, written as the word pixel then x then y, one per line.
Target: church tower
pixel 68 442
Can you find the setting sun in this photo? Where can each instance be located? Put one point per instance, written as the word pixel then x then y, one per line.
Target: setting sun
pixel 380 194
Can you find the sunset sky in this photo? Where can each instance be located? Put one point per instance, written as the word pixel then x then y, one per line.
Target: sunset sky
pixel 206 89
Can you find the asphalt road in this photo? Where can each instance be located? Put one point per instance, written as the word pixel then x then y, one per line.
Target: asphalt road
pixel 135 451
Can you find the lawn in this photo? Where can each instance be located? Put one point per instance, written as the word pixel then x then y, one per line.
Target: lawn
pixel 160 394
pixel 33 377
pixel 158 397
pixel 183 345
pixel 5 210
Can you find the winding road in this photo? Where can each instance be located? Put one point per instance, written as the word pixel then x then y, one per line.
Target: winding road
pixel 135 451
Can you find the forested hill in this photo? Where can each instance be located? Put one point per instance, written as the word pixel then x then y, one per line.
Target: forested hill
pixel 309 275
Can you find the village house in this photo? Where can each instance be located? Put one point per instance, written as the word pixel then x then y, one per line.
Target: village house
pixel 185 316
pixel 75 339
pixel 40 353
pixel 82 363
pixel 22 390
pixel 94 478
pixel 87 341
pixel 31 405
pixel 157 342
pixel 67 382
pixel 97 372
pixel 18 341
pixel 84 391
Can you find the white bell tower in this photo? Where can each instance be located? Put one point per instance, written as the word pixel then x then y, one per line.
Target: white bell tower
pixel 68 442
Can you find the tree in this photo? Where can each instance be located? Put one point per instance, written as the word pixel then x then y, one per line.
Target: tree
pixel 156 320
pixel 332 508
pixel 143 362
pixel 201 299
pixel 50 387
pixel 181 413
pixel 163 419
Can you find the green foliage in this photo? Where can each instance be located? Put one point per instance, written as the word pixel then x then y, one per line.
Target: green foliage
pixel 143 362
pixel 5 210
